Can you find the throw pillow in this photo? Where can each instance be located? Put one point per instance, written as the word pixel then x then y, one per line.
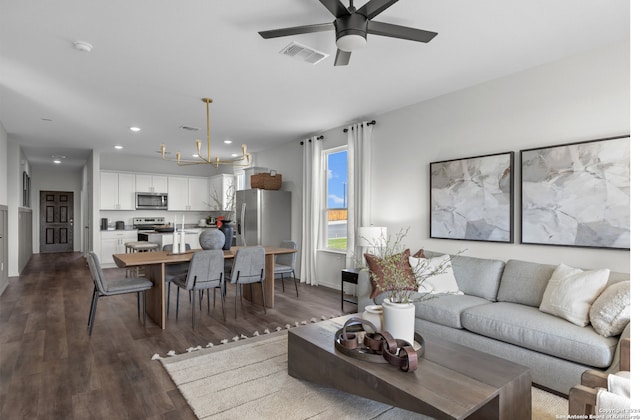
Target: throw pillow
pixel 443 282
pixel 571 291
pixel 380 277
pixel 611 311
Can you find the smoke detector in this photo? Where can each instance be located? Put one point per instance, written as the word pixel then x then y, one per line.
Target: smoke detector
pixel 82 46
pixel 303 53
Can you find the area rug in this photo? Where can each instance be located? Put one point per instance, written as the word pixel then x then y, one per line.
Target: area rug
pixel 248 379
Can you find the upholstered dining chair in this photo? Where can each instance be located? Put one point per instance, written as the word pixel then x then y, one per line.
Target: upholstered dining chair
pixel 206 271
pixel 609 390
pixel 248 267
pixel 286 264
pixel 102 288
pixel 172 271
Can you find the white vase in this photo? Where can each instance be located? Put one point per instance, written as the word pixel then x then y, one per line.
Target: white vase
pixel 399 319
pixel 373 314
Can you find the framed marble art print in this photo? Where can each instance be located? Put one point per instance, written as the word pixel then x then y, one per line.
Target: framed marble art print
pixel 577 194
pixel 472 198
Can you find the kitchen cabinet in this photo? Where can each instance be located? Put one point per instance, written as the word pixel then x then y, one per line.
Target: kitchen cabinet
pixel 117 191
pixel 112 242
pixel 222 192
pixel 188 193
pixel 151 183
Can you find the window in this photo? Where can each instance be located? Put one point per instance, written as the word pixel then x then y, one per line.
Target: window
pixel 336 199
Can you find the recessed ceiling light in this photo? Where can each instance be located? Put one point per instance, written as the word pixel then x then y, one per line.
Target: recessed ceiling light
pixel 57 162
pixel 195 155
pixel 234 155
pixel 228 142
pixel 82 46
pixel 135 129
pixel 117 147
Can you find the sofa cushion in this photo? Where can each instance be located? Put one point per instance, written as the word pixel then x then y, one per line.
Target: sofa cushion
pixel 611 311
pixel 446 309
pixel 475 276
pixel 571 291
pixel 443 281
pixel 382 272
pixel 527 327
pixel 524 282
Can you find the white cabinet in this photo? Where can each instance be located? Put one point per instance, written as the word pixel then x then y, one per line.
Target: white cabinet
pixel 222 191
pixel 112 242
pixel 199 194
pixel 151 183
pixel 117 191
pixel 188 193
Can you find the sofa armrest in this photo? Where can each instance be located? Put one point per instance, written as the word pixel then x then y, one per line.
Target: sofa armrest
pixel 620 359
pixel 364 290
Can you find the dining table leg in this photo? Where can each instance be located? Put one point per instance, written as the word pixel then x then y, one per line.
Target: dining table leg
pixel 269 293
pixel 156 301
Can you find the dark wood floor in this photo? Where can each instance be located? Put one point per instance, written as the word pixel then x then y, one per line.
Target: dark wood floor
pixel 51 369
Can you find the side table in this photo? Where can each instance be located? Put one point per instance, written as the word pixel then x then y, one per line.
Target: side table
pixel 349 275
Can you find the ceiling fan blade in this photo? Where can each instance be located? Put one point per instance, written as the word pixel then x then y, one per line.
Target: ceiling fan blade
pixel 336 7
pixel 402 32
pixel 342 58
pixel 374 7
pixel 296 30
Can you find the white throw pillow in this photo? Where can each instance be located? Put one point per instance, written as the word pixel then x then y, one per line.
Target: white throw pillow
pixel 571 291
pixel 611 311
pixel 444 282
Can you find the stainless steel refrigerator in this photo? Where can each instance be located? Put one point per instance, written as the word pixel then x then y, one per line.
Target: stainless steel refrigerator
pixel 263 217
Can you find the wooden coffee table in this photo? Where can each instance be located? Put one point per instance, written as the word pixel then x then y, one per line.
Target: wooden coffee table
pixel 451 382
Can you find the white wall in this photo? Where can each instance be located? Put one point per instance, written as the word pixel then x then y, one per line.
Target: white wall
pixel 580 98
pixel 56 178
pixel 583 97
pixel 3 165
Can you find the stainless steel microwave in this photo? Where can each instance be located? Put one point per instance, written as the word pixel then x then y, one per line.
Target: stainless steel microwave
pixel 151 201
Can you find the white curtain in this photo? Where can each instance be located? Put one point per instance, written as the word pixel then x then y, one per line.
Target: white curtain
pixel 359 138
pixel 311 206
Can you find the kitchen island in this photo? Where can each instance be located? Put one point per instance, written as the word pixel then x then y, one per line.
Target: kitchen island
pixel 191 237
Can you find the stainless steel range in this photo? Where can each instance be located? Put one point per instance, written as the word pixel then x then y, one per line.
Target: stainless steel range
pixel 146 225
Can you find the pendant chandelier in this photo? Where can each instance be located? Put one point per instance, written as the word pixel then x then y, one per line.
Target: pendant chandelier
pixel 242 160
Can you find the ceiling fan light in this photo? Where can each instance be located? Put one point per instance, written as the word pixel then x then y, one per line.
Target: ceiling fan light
pixel 351 42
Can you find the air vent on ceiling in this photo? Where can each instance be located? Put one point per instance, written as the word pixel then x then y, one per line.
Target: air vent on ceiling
pixel 303 53
pixel 186 127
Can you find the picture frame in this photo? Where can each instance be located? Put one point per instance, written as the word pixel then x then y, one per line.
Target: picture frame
pixel 472 198
pixel 577 194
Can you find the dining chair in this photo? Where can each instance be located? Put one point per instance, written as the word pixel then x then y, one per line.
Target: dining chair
pixel 248 267
pixel 102 288
pixel 172 271
pixel 206 271
pixel 286 263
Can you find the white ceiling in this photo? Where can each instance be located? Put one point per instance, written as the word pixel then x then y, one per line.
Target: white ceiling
pixel 154 59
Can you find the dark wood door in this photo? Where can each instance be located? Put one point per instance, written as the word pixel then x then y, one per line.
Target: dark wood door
pixel 56 221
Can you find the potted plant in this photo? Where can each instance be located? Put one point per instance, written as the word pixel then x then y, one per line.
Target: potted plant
pixel 400 284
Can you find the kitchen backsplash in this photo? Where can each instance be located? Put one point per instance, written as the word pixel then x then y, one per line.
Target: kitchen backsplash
pixel 190 217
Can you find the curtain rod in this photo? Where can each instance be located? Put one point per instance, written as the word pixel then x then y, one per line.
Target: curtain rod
pixel 319 138
pixel 372 122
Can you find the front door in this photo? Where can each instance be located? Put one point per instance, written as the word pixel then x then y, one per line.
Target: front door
pixel 56 221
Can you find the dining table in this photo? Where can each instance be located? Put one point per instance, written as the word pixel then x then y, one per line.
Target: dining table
pixel 154 264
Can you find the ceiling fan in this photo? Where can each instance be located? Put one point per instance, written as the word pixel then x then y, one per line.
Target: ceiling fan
pixel 352 27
